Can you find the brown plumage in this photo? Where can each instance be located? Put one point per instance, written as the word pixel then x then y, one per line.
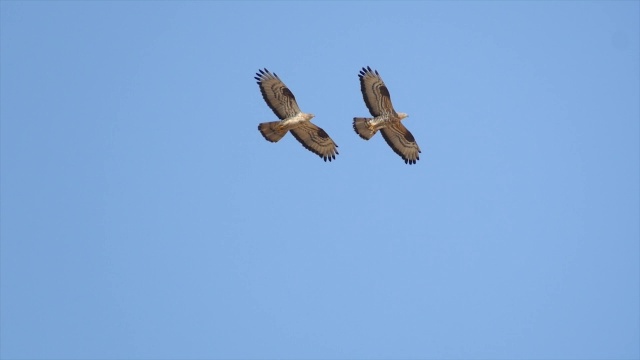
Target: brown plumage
pixel 283 103
pixel 385 118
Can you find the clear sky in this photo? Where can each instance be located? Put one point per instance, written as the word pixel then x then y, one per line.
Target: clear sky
pixel 143 216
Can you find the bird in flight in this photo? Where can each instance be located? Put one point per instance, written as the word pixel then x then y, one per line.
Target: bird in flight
pixel 385 118
pixel 281 100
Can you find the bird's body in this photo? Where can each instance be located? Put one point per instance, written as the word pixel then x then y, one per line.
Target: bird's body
pixel 281 100
pixel 367 127
pixel 385 118
pixel 275 130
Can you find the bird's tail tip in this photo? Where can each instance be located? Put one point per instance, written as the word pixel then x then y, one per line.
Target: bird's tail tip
pixel 270 131
pixel 361 127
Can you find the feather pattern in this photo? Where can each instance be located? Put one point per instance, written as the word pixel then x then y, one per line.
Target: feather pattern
pixel 375 93
pixel 378 100
pixel 277 95
pixel 283 103
pixel 316 140
pixel 401 141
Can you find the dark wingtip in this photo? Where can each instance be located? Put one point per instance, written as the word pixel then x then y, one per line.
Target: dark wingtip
pixel 328 157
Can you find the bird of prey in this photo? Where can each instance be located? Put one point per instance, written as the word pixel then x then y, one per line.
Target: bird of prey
pixel 281 100
pixel 385 118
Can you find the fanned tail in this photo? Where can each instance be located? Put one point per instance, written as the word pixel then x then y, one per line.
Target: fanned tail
pixel 270 131
pixel 361 126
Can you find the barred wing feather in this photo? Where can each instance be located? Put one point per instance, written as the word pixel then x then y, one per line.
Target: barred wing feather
pixel 375 93
pixel 316 140
pixel 277 95
pixel 400 139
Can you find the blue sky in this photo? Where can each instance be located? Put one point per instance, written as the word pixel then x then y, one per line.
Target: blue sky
pixel 144 216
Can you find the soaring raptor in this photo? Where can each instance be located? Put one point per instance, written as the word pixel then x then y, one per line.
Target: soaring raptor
pixel 385 118
pixel 281 100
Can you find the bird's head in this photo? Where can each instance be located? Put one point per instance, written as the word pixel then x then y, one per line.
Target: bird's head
pixel 403 115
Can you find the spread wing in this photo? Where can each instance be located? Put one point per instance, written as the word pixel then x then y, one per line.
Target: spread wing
pixel 277 95
pixel 375 93
pixel 402 142
pixel 316 140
